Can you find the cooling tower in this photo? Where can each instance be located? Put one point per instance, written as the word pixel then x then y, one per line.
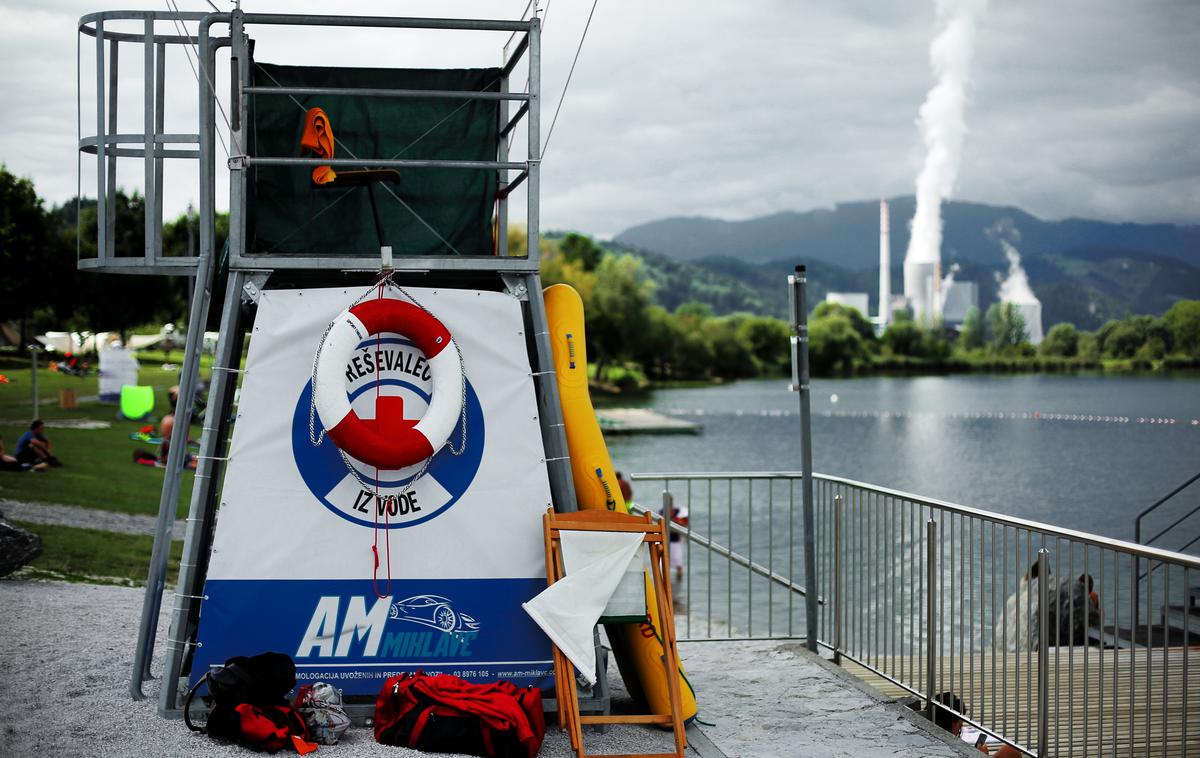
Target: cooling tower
pixel 921 284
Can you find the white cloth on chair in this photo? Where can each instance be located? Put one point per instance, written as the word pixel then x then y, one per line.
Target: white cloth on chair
pixel 568 610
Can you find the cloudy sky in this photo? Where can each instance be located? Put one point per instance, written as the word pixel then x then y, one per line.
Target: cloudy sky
pixel 1078 107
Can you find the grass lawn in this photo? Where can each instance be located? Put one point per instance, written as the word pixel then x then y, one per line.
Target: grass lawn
pixel 76 555
pixel 99 471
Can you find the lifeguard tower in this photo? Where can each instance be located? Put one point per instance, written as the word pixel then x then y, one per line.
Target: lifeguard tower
pixel 422 196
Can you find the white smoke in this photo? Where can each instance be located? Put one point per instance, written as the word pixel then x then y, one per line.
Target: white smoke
pixel 947 284
pixel 1015 287
pixel 942 123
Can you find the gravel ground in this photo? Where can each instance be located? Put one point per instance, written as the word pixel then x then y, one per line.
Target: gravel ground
pixel 84 518
pixel 66 651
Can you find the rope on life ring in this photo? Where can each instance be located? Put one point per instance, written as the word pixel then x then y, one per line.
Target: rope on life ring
pixel 349 433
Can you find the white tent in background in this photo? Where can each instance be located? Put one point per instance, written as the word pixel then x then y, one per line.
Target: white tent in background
pixel 76 342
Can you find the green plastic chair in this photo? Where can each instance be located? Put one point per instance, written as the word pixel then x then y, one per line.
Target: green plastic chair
pixel 137 402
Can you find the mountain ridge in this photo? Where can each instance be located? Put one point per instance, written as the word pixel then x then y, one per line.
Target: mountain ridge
pixel 848 234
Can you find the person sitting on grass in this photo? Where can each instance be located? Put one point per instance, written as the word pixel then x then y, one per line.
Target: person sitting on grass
pixel 10 462
pixel 166 427
pixel 33 447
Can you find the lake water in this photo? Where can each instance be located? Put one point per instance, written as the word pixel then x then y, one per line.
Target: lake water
pixel 1037 456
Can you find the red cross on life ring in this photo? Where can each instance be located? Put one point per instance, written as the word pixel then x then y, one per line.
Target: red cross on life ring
pixel 400 448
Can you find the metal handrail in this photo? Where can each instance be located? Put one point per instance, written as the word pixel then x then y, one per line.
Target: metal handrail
pixel 736 558
pixel 1049 530
pixel 918 591
pixel 1137 522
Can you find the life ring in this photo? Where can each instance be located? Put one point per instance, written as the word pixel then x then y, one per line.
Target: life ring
pixel 342 424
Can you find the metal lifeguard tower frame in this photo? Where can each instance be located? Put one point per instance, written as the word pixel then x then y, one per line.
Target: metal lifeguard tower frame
pixel 248 271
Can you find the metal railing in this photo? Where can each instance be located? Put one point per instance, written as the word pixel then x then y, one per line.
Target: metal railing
pixel 1137 521
pixel 1037 629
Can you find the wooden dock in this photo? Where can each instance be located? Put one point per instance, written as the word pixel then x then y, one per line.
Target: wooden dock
pixel 642 421
pixel 1100 703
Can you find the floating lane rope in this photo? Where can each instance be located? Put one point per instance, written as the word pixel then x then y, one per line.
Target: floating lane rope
pixel 1184 422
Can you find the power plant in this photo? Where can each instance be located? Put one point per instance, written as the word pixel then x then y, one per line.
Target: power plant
pixel 885 269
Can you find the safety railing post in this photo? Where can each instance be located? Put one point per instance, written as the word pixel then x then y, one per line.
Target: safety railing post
pixel 1043 717
pixel 931 619
pixel 798 306
pixel 837 579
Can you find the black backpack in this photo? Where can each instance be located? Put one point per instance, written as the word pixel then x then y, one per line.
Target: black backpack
pixel 247 688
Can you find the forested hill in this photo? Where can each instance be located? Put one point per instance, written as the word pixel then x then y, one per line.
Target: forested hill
pixel 848 235
pixel 1085 287
pixel 1084 272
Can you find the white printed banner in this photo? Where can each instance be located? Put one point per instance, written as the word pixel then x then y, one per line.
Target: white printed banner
pixel 293 559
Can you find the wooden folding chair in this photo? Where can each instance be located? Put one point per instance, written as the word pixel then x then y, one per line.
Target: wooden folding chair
pixel 655 537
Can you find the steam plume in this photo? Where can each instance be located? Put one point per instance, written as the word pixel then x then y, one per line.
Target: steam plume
pixel 942 123
pixel 1014 288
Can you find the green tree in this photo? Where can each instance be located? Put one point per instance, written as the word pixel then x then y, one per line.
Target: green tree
pixel 1006 327
pixel 767 339
pixel 616 313
pixel 120 303
pixel 692 353
pixel 579 249
pixel 1144 337
pixel 970 336
pixel 694 310
pixel 906 338
pixel 1104 333
pixel 1183 323
pixel 860 322
pixel 654 347
pixel 1061 341
pixel 1088 350
pixel 834 345
pixel 732 357
pixel 37 268
pixel 1122 341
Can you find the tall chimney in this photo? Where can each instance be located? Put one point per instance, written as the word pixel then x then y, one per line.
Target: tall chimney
pixel 885 268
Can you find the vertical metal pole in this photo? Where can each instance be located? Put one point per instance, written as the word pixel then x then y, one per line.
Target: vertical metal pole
pixel 562 486
pixel 150 191
pixel 837 579
pixel 1043 717
pixel 708 567
pixel 534 138
pixel 160 99
pixel 202 504
pixel 33 351
pixel 110 217
pixel 102 250
pixel 502 155
pixel 1187 649
pixel 156 578
pixel 750 557
pixel 799 309
pixel 931 619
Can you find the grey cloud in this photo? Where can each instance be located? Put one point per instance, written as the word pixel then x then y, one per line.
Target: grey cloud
pixel 739 109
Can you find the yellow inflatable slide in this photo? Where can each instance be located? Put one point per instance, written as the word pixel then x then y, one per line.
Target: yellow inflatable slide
pixel 637 647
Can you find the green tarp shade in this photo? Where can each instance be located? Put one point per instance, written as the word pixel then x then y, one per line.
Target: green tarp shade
pixel 288 214
pixel 136 401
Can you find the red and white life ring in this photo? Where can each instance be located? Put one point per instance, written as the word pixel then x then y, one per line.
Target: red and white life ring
pixel 343 425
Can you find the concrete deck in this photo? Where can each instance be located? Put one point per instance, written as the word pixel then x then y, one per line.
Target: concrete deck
pixel 775 699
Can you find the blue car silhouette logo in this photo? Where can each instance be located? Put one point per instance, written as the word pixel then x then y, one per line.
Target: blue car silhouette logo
pixel 433 611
